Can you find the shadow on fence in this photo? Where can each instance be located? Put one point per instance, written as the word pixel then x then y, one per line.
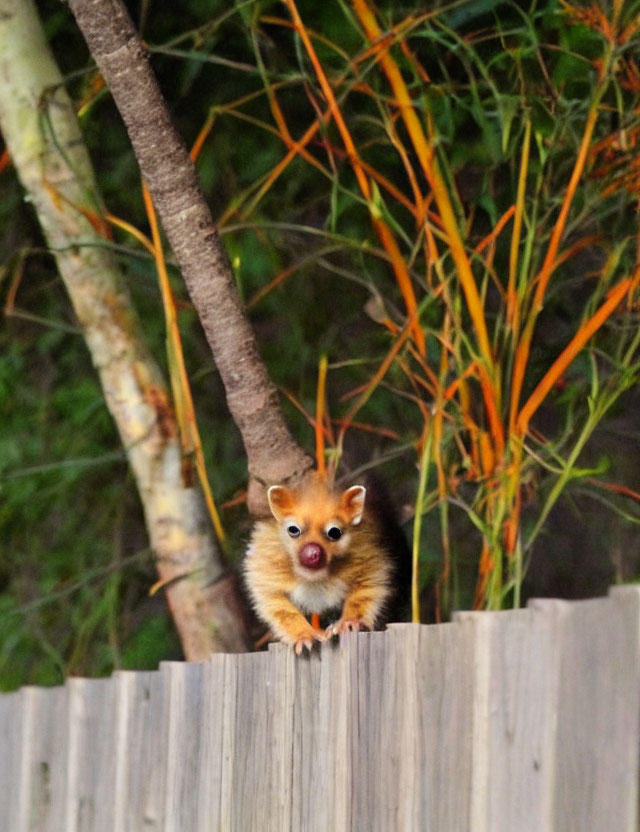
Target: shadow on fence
pixel 514 721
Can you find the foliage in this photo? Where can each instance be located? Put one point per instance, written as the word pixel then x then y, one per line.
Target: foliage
pixel 444 203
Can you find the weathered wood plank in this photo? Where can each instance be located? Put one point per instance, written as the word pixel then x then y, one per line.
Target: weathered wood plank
pixel 138 745
pixel 596 769
pixel 627 721
pixel 12 801
pixel 181 721
pixel 375 753
pixel 44 760
pixel 209 795
pixel 444 731
pixel 376 728
pixel 321 770
pixel 283 693
pixel 431 698
pixel 249 741
pixel 90 753
pixel 515 691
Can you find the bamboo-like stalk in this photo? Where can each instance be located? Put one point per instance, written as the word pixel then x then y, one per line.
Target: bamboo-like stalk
pixel 40 129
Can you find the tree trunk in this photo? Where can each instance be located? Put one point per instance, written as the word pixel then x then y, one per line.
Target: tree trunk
pixel 41 132
pixel 273 456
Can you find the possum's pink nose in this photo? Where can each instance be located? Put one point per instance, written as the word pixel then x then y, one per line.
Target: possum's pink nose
pixel 312 556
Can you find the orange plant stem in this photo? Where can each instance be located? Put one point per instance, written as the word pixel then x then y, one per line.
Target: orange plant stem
pixel 320 411
pixel 375 380
pixel 185 411
pixel 438 419
pixel 431 170
pixel 202 136
pixel 550 262
pixel 577 343
pixel 558 229
pixel 381 227
pixel 493 411
pixel 513 308
pixel 504 219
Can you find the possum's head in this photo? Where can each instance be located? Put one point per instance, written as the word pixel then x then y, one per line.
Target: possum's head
pixel 315 524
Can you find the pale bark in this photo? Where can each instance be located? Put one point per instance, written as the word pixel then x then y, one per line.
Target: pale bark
pixel 273 456
pixel 40 129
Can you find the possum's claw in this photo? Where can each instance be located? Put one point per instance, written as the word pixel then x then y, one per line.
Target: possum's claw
pixel 301 644
pixel 307 641
pixel 346 625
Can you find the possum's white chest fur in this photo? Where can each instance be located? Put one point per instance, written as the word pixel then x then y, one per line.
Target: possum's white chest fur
pixel 319 596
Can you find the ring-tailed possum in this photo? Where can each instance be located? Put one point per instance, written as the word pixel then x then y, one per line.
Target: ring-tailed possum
pixel 324 551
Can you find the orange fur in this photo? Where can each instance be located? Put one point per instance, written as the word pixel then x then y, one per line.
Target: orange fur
pixel 352 573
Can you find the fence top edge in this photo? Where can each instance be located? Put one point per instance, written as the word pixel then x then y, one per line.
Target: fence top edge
pixel 352 642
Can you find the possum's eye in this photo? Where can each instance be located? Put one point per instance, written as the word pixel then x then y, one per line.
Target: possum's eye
pixel 333 533
pixel 293 530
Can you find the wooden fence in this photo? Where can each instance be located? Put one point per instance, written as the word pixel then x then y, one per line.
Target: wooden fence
pixel 513 721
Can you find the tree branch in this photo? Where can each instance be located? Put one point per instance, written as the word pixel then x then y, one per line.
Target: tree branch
pixel 273 455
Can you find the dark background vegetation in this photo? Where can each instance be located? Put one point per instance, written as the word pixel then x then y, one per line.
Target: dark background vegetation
pixel 75 569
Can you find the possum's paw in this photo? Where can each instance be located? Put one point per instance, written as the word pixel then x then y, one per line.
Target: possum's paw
pixel 307 639
pixel 346 625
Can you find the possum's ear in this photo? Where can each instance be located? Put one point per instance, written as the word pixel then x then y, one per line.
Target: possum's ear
pixel 352 503
pixel 280 501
